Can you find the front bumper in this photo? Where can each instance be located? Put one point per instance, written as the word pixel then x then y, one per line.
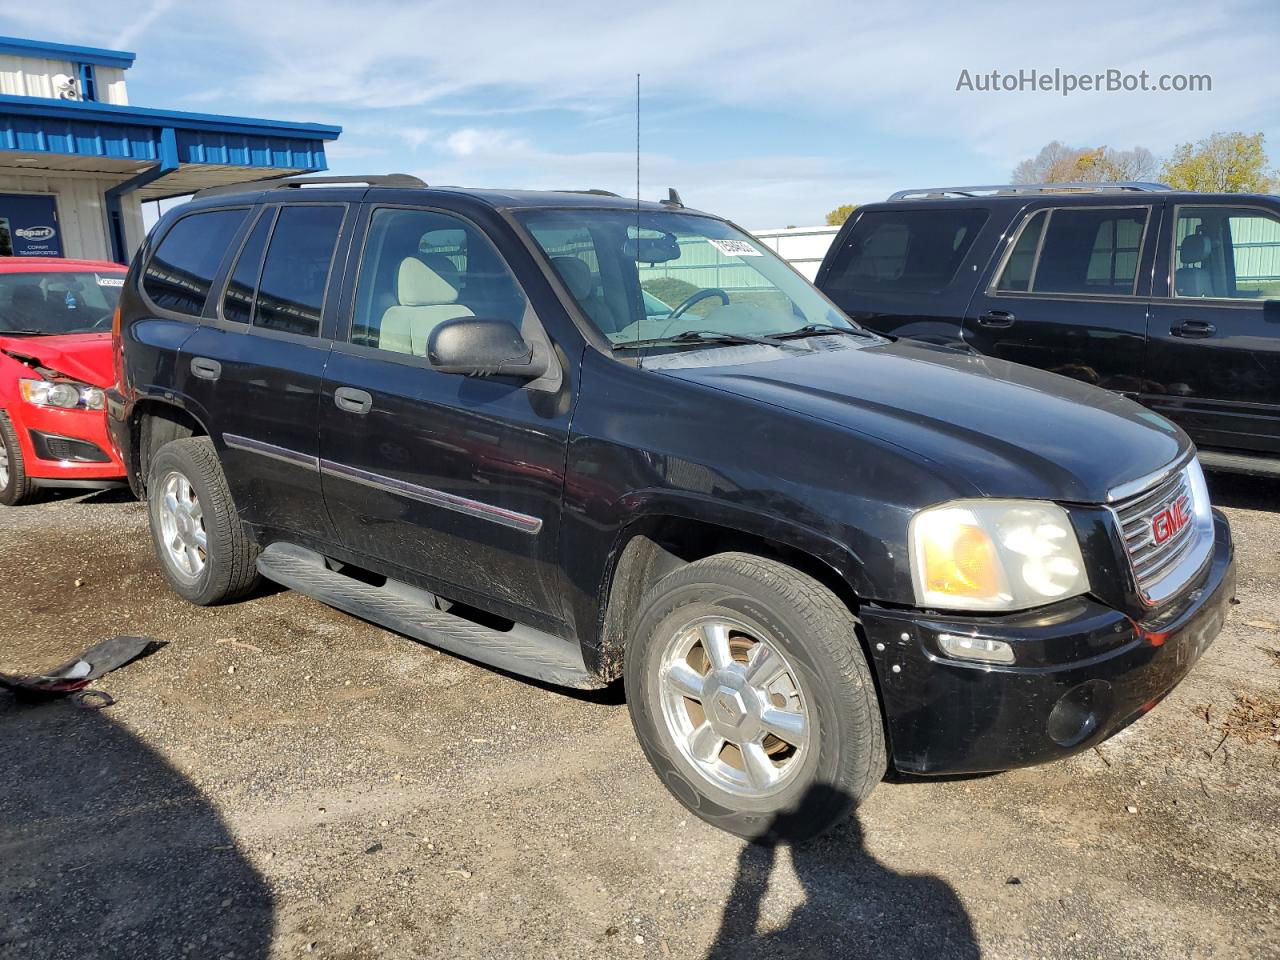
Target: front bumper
pixel 1083 672
pixel 51 442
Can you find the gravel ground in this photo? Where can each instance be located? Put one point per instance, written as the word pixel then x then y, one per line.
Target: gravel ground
pixel 283 780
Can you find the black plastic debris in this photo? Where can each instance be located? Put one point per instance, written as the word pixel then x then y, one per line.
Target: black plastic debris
pixel 75 675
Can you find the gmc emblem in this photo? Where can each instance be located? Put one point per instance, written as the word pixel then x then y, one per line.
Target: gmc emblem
pixel 1170 520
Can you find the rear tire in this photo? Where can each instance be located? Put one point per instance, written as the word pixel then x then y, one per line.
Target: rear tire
pixel 202 547
pixel 789 682
pixel 15 488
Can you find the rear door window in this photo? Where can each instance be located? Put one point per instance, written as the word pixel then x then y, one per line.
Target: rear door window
pixel 295 272
pixel 1226 253
pixel 181 270
pixel 1077 250
pixel 904 251
pixel 237 302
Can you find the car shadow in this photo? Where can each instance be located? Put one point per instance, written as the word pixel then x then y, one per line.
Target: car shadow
pixel 1242 491
pixel 108 851
pixel 855 907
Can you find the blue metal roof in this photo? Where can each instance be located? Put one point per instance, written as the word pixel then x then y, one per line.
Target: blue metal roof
pixel 112 113
pixel 81 129
pixel 17 47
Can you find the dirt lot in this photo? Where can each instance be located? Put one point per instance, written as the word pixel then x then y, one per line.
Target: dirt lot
pixel 282 780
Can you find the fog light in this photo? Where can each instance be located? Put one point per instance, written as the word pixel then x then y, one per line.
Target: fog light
pixel 975 648
pixel 1080 712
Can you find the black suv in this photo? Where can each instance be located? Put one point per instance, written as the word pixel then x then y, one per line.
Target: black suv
pixel 582 438
pixel 1168 298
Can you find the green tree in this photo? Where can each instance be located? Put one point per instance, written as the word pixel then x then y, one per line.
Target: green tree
pixel 1221 163
pixel 840 214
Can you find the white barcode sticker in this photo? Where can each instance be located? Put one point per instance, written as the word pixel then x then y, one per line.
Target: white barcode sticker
pixel 111 281
pixel 735 248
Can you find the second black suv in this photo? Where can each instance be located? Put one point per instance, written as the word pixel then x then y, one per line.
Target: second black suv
pixel 582 438
pixel 1170 298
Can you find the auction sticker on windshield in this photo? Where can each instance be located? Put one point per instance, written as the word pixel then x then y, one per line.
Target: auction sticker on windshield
pixel 734 248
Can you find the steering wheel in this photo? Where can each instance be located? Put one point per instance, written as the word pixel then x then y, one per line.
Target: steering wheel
pixel 698 297
pixel 103 321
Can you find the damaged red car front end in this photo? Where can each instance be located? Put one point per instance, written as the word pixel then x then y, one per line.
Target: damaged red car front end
pixel 55 365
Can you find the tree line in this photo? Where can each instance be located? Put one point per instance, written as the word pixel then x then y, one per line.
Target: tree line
pixel 1220 163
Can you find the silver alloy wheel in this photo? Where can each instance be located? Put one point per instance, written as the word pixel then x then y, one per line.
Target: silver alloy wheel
pixel 733 706
pixel 4 464
pixel 182 531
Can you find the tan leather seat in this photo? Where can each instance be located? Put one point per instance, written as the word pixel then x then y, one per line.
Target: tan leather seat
pixel 577 276
pixel 426 300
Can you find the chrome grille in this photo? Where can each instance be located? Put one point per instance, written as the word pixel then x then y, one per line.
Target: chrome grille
pixel 1153 538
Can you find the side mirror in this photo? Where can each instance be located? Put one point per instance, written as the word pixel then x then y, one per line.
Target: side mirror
pixel 479 347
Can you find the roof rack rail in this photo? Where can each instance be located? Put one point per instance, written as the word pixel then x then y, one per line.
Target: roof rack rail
pixel 593 192
pixel 1015 189
pixel 307 180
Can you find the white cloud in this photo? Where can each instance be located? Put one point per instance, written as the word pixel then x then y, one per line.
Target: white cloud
pixel 129 35
pixel 395 70
pixel 899 66
pixel 761 191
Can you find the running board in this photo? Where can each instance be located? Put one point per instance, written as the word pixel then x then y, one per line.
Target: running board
pixel 413 612
pixel 1258 466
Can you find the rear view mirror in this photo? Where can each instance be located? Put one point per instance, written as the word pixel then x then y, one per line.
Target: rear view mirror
pixel 659 249
pixel 479 347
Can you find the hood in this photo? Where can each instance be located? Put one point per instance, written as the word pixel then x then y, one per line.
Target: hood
pixel 81 356
pixel 1002 428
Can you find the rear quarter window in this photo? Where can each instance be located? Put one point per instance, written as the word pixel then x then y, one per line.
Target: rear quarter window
pixel 903 251
pixel 181 271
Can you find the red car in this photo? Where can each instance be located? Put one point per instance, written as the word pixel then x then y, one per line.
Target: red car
pixel 55 363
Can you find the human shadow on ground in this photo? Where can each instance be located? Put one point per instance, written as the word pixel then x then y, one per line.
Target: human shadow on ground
pixel 855 907
pixel 108 851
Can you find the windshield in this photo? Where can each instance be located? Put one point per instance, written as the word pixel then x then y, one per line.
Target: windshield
pixel 58 302
pixel 657 275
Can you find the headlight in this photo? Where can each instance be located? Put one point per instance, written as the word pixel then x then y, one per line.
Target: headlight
pixel 66 395
pixel 994 555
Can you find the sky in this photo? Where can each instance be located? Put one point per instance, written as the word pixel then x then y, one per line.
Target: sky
pixel 770 114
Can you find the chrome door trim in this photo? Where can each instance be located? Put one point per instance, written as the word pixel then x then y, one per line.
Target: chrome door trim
pixel 271 451
pixel 437 498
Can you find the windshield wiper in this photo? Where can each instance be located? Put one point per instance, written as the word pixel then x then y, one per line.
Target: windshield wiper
pixel 700 336
pixel 821 329
pixel 24 331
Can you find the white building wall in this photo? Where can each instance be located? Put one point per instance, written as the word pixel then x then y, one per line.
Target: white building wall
pixel 82 219
pixel 111 88
pixel 802 247
pixel 33 77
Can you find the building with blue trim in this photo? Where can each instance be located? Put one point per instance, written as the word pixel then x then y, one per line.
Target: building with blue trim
pixel 77 161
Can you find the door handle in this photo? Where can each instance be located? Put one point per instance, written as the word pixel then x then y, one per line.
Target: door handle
pixel 206 369
pixel 1193 329
pixel 352 400
pixel 998 319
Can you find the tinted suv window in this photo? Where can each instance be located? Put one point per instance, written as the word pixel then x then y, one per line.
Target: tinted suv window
pixel 1226 253
pixel 904 250
pixel 1089 250
pixel 421 268
pixel 296 270
pixel 237 302
pixel 181 270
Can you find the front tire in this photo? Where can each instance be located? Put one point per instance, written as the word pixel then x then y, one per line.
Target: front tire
pixel 202 547
pixel 752 699
pixel 15 488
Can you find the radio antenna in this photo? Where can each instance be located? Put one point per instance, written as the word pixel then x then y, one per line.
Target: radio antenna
pixel 640 315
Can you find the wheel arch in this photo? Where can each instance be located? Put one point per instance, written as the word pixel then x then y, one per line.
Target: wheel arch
pixel 154 423
pixel 664 535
